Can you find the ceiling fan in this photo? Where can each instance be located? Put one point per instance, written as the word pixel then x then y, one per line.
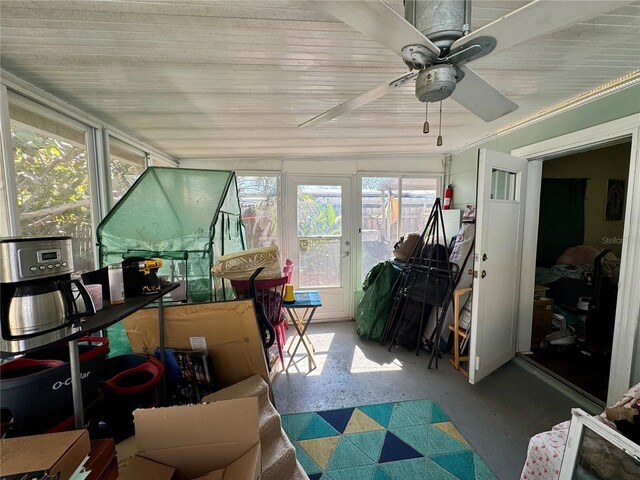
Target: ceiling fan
pixel 436 42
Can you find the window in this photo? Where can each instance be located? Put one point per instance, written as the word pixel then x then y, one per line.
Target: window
pixel 418 197
pixel 52 178
pixel 503 185
pixel 392 206
pixel 380 218
pixel 319 228
pixel 126 164
pixel 259 196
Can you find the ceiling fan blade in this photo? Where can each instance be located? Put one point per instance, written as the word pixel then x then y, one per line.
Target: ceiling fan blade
pixel 479 97
pixel 360 100
pixel 380 22
pixel 536 19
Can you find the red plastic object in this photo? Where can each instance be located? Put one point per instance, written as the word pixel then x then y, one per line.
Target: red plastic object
pixel 152 366
pixel 98 350
pixel 287 270
pixel 26 366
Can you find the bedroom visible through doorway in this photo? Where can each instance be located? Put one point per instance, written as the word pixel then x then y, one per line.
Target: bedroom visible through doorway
pixel 581 225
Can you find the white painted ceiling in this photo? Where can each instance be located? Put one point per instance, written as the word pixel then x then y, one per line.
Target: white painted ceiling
pixel 234 78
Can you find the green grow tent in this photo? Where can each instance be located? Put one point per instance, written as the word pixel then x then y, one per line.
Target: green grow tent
pixel 186 217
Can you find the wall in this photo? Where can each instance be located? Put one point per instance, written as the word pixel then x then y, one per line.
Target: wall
pixel 598 166
pixel 463 169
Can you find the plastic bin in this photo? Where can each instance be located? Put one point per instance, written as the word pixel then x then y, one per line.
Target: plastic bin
pixel 36 389
pixel 128 382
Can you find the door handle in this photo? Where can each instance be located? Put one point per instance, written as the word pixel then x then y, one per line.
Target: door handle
pixel 346 254
pixel 483 274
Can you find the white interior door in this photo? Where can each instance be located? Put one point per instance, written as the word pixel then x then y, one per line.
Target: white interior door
pixel 498 255
pixel 319 240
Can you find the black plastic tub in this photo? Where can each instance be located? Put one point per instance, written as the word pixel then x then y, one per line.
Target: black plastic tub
pixel 129 382
pixel 36 389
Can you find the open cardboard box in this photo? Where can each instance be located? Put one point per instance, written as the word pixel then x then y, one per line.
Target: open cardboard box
pixel 50 456
pixel 229 330
pixel 209 441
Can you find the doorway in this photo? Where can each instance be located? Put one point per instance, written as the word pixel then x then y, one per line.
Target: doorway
pixel 320 240
pixel 625 364
pixel 579 246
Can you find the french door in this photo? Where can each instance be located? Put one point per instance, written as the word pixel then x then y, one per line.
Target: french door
pixel 319 240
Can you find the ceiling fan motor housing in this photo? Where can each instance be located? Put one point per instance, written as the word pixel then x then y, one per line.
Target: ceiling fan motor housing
pixel 441 21
pixel 436 83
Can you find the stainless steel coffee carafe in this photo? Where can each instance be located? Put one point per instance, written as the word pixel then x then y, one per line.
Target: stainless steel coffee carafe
pixel 37 302
pixel 41 307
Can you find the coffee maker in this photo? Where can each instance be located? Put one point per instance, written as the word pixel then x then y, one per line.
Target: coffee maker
pixel 37 304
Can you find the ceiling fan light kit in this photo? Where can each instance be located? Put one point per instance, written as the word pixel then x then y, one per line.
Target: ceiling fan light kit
pixel 436 83
pixel 435 40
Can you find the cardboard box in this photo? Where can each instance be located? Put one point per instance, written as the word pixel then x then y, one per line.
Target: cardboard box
pixel 219 440
pixel 49 456
pixel 542 320
pixel 539 291
pixel 229 329
pixel 139 468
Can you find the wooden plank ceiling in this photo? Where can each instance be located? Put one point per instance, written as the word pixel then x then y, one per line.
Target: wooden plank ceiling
pixel 234 78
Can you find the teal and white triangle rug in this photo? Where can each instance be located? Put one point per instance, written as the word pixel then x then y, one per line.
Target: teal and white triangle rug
pixel 389 441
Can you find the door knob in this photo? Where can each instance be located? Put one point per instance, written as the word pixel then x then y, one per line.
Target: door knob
pixel 483 274
pixel 346 254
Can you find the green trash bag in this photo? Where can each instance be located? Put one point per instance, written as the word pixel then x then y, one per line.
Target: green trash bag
pixel 375 305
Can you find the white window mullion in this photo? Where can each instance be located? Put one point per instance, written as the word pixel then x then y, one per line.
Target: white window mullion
pixel 9 224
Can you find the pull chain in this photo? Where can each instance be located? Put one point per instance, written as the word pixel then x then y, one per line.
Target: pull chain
pixel 439 142
pixel 425 128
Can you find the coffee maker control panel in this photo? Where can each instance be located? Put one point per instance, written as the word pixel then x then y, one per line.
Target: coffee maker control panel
pixel 31 258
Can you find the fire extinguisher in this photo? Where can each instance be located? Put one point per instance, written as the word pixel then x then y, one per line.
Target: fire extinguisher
pixel 448 197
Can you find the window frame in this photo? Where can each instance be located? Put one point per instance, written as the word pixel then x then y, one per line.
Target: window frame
pixel 438 177
pixel 108 200
pixel 280 192
pixel 91 145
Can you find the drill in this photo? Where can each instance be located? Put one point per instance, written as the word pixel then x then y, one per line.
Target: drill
pixel 150 269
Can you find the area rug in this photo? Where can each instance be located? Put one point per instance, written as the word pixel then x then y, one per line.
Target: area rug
pixel 390 441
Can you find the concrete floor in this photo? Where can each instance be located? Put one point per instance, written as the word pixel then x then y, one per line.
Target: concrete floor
pixel 497 416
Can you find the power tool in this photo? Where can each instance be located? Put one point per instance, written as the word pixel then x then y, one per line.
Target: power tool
pixel 141 276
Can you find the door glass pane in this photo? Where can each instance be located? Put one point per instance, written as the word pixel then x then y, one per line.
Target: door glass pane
pixel 319 210
pixel 126 164
pixel 319 227
pixel 380 216
pixel 418 197
pixel 52 181
pixel 259 204
pixel 503 185
pixel 319 262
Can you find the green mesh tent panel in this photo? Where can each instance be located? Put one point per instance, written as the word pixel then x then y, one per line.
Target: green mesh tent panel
pixel 188 218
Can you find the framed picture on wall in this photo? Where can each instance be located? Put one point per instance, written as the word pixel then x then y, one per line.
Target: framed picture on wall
pixel 614 208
